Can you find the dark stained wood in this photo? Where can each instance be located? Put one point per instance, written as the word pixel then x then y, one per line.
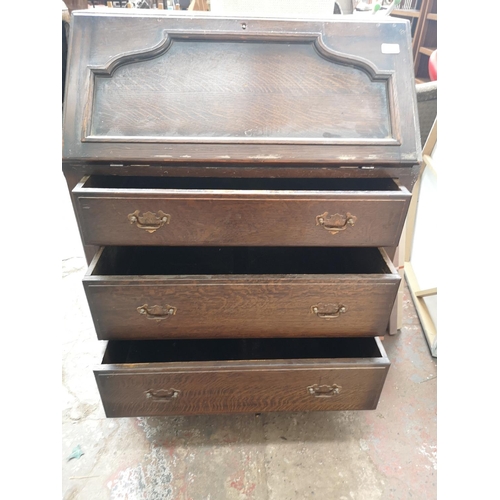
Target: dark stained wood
pixel 257 377
pixel 145 86
pixel 199 91
pixel 405 176
pixel 76 5
pixel 223 154
pixel 240 292
pixel 72 179
pixel 242 211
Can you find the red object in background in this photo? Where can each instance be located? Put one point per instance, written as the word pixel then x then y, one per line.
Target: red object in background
pixel 433 66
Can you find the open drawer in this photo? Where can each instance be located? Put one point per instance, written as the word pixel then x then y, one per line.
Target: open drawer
pixel 121 210
pixel 195 292
pixel 181 377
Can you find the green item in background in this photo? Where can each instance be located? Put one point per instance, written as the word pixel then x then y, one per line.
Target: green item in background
pixel 76 453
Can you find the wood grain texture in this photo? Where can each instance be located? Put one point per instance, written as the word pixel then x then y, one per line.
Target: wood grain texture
pixel 72 179
pixel 211 305
pixel 243 217
pixel 213 146
pixel 240 386
pixel 199 90
pixel 134 90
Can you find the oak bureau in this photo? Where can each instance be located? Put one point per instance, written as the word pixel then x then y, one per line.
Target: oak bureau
pixel 240 186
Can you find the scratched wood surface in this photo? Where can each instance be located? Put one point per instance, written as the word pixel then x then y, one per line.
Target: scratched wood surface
pixel 406 176
pixel 240 292
pixel 350 380
pixel 145 86
pixel 242 211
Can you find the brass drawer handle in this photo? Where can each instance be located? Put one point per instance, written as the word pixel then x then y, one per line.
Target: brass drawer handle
pixel 157 313
pixel 163 395
pixel 149 221
pixel 328 311
pixel 324 391
pixel 336 222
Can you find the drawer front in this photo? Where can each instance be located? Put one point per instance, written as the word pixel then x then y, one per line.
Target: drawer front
pixel 186 388
pixel 224 302
pixel 258 218
pixel 242 308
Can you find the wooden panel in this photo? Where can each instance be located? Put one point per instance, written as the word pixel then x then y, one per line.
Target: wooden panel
pixel 239 386
pixel 245 92
pixel 405 176
pixel 72 179
pixel 421 264
pixel 150 86
pixel 275 303
pixel 246 217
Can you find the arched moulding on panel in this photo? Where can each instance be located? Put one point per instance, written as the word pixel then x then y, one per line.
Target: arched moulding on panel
pixel 279 88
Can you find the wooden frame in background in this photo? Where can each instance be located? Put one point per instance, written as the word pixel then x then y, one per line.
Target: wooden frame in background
pixel 417 293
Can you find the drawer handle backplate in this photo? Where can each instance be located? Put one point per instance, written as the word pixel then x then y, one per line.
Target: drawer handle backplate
pixel 328 311
pixel 324 391
pixel 336 222
pixel 157 313
pixel 163 395
pixel 149 221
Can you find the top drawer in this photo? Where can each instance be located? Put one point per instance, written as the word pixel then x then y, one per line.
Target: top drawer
pixel 151 211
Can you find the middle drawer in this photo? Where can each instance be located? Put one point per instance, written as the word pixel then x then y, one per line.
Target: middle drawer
pixel 196 292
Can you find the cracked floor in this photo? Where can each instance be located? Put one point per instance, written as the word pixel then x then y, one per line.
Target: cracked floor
pixel 388 453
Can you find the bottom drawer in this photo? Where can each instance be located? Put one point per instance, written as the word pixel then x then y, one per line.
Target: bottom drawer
pixel 184 377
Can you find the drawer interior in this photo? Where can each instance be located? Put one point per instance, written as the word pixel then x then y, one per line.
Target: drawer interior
pixel 240 184
pixel 171 351
pixel 127 260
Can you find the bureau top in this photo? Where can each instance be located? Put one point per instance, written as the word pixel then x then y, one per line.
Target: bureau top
pixel 149 86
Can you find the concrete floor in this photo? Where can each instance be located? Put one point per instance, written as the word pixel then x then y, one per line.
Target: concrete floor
pixel 388 453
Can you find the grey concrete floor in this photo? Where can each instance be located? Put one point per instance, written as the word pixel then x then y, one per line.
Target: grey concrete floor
pixel 388 453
